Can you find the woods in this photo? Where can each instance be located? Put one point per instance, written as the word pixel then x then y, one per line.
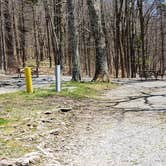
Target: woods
pixel 98 38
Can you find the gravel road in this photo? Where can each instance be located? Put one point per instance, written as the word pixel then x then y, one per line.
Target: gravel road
pixel 126 129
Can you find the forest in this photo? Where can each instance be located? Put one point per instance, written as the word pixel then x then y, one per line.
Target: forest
pixel 96 38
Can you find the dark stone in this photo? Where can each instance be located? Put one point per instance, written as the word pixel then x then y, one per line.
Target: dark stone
pixel 48 113
pixel 65 109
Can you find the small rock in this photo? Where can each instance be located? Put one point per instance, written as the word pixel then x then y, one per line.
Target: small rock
pixel 48 113
pixel 28 124
pixel 22 163
pixel 31 158
pixel 55 132
pixel 65 109
pixel 46 121
pixel 6 163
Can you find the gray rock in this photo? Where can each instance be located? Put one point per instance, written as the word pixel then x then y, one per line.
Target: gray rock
pixel 31 158
pixel 6 163
pixel 55 132
pixel 46 121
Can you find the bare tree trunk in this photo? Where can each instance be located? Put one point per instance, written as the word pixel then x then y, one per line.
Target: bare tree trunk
pixel 162 39
pixel 47 31
pixel 103 22
pixel 11 61
pixel 142 28
pixel 22 33
pixel 35 37
pixel 73 42
pixel 58 27
pixel 2 47
pixel 101 66
pixel 41 43
pixel 118 42
pixel 15 34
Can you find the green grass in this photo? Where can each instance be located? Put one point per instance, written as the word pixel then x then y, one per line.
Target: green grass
pixel 3 121
pixel 69 89
pixel 85 89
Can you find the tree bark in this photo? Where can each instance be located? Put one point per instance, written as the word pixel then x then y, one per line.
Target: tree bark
pixel 142 35
pixel 73 41
pixel 101 66
pixel 2 47
pixel 11 61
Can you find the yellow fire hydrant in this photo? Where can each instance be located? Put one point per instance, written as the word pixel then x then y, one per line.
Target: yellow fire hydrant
pixel 28 80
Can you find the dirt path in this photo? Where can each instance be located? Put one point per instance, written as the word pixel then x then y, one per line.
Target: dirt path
pixel 128 129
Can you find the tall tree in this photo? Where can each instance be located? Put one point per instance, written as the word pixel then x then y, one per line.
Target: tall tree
pixel 101 66
pixel 57 6
pixel 2 47
pixel 22 32
pixel 11 61
pixel 162 9
pixel 46 10
pixel 142 32
pixel 73 41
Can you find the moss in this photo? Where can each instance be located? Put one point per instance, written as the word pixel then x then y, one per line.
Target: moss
pixel 3 121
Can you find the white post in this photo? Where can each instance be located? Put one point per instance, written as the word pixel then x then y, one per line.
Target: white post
pixel 58 78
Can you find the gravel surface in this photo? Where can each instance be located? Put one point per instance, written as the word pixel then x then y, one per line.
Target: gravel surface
pixel 126 129
pixel 12 84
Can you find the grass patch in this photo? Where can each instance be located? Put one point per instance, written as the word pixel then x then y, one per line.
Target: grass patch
pixel 19 108
pixel 3 121
pixel 69 89
pixel 12 148
pixel 85 89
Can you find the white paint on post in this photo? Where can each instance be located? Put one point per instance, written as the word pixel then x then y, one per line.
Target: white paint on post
pixel 58 78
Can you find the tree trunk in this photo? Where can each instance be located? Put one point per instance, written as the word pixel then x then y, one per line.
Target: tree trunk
pixel 15 34
pixel 47 32
pixel 11 61
pixel 142 28
pixel 2 48
pixel 101 66
pixel 35 37
pixel 22 33
pixel 162 40
pixel 73 42
pixel 58 28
